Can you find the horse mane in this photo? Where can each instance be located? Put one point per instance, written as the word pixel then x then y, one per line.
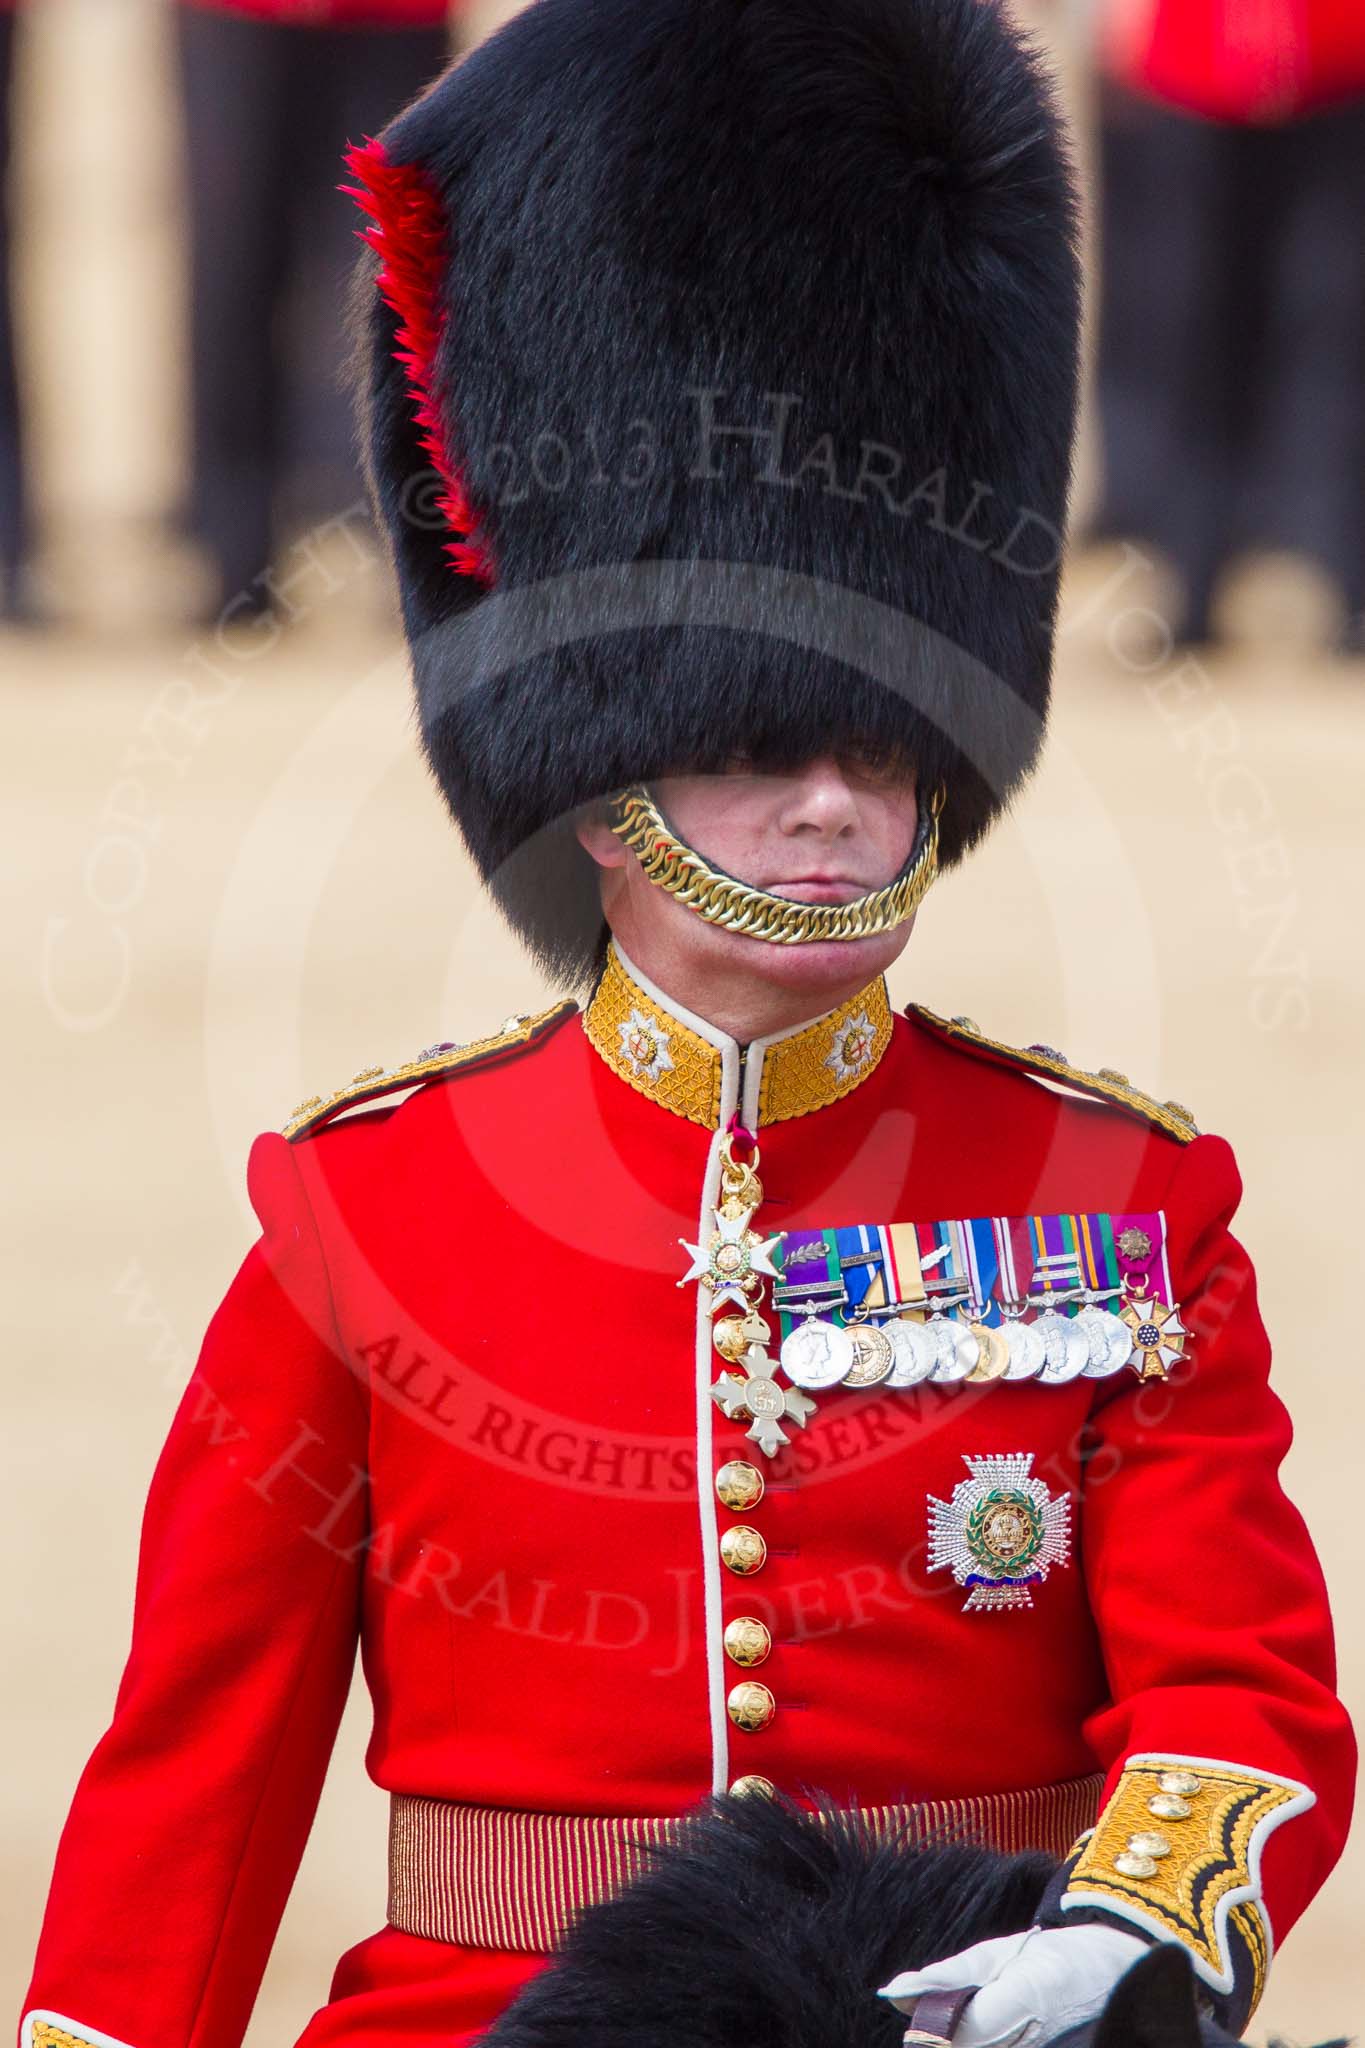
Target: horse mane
pixel 764 1929
pixel 770 1927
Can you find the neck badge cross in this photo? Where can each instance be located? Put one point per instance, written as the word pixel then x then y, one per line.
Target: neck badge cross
pixel 732 1265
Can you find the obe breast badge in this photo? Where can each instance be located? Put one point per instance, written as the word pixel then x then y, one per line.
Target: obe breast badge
pixel 1001 1532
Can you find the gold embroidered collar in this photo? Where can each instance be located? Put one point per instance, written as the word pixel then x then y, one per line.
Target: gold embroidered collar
pixel 687 1065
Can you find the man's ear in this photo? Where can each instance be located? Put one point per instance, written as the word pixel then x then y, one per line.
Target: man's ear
pixel 596 837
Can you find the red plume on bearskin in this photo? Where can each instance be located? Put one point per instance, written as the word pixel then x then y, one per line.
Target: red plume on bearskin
pixel 409 235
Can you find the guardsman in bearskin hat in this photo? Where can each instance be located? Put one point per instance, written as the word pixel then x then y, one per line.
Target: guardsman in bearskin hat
pixel 730 1385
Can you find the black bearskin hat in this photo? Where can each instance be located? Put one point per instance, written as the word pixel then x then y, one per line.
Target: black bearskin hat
pixel 718 398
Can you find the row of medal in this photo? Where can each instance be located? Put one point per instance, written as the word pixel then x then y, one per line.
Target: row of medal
pixel 1054 1348
pixel 1051 1298
pixel 979 1299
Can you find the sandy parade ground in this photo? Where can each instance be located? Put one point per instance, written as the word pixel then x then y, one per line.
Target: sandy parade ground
pixel 233 887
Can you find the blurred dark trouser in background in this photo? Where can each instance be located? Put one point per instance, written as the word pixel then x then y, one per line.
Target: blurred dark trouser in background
pixel 14 536
pixel 268 111
pixel 1232 342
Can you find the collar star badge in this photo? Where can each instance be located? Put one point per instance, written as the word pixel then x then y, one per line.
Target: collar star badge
pixel 733 1261
pixel 1158 1336
pixel 644 1042
pixel 852 1047
pixel 1001 1532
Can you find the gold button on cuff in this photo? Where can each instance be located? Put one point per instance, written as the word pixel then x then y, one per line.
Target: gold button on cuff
pixel 1129 1865
pixel 750 1786
pixel 739 1485
pixel 750 1706
pixel 1184 1784
pixel 746 1640
pixel 1149 1843
pixel 1166 1806
pixel 742 1549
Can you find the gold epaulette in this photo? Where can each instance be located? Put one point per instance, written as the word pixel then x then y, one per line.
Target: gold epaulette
pixel 1104 1084
pixel 431 1065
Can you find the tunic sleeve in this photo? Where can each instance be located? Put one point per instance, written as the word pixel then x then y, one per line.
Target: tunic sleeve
pixel 189 1820
pixel 1230 1759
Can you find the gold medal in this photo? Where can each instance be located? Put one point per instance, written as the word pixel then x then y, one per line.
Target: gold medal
pixel 994 1359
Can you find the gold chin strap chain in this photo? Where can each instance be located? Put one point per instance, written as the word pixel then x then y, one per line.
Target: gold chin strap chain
pixel 671 863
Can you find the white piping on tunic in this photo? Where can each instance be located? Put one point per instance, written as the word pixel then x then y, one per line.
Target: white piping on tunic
pixel 712 1617
pixel 730 1102
pixel 712 1611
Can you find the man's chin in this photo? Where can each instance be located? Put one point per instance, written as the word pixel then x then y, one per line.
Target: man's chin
pixel 825 966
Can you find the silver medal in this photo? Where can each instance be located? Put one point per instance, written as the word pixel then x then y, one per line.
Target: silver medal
pixel 1028 1352
pixel 1068 1354
pixel 958 1350
pixel 914 1353
pixel 816 1354
pixel 1107 1340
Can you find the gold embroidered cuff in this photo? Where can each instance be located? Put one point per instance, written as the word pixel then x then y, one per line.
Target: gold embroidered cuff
pixel 1177 1852
pixel 44 2029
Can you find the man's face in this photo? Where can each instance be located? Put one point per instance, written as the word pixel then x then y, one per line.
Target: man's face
pixel 826 832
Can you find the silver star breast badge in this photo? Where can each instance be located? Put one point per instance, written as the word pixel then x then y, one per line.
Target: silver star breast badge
pixel 1001 1532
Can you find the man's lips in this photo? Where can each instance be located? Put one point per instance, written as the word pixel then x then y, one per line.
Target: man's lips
pixel 820 888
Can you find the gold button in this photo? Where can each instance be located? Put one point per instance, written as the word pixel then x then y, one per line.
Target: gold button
pixel 746 1640
pixel 1183 1783
pixel 751 1786
pixel 742 1549
pixel 1129 1865
pixel 1149 1843
pixel 739 1484
pixel 1166 1806
pixel 750 1706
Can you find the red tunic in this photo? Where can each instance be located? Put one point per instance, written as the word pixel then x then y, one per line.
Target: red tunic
pixel 339 13
pixel 1231 62
pixel 453 1407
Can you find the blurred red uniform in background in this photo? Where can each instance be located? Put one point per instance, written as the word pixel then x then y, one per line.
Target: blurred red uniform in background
pixel 273 90
pixel 337 13
pixel 1238 63
pixel 1232 303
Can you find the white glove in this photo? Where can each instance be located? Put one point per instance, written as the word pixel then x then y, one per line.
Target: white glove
pixel 1033 1985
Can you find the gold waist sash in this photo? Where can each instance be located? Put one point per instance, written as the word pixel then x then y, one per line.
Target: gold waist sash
pixel 493 1877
